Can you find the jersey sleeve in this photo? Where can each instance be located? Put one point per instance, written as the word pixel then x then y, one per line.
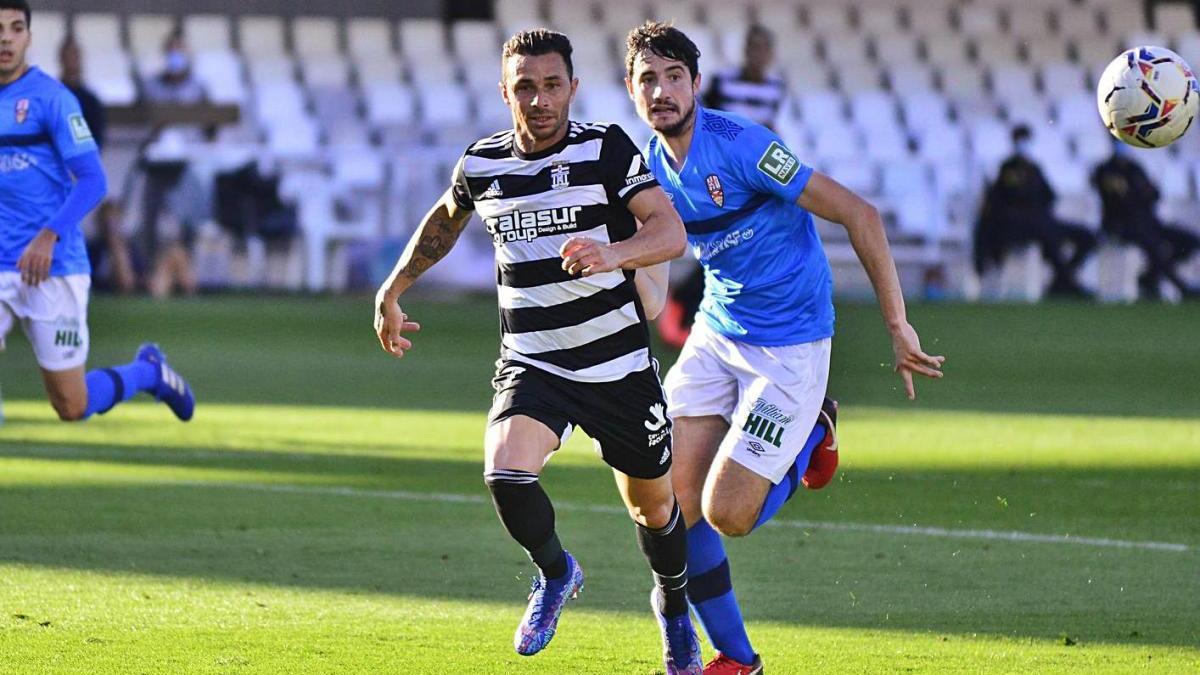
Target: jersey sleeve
pixel 66 126
pixel 767 165
pixel 459 191
pixel 625 170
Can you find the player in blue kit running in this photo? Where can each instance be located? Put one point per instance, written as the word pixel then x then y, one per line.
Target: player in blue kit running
pixel 50 179
pixel 747 391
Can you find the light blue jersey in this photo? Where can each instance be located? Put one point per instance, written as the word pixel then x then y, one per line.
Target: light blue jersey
pixel 766 279
pixel 41 128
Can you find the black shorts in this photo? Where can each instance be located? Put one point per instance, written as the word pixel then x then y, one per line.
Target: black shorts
pixel 627 418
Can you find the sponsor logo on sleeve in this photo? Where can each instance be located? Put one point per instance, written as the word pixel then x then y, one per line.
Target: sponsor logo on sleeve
pixel 779 163
pixel 79 128
pixel 637 174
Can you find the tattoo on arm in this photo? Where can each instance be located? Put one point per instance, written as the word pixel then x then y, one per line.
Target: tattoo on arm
pixel 432 241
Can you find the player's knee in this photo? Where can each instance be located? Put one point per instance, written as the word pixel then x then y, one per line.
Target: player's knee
pixel 653 516
pixel 729 520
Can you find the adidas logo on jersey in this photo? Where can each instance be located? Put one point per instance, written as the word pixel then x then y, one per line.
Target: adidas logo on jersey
pixel 492 191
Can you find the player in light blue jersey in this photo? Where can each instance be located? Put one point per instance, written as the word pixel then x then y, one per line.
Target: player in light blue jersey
pixel 747 391
pixel 50 179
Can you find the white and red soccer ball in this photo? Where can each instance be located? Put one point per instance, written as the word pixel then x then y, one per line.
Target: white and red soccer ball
pixel 1148 97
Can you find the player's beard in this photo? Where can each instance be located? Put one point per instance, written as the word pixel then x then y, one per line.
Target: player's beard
pixel 681 127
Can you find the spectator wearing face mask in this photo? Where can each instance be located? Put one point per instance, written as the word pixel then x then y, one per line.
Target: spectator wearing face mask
pixel 1130 200
pixel 175 83
pixel 1018 210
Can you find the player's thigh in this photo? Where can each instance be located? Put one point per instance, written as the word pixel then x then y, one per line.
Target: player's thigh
pixel 701 383
pixel 53 315
pixel 650 501
pixel 67 391
pixel 628 423
pixel 525 423
pixel 695 441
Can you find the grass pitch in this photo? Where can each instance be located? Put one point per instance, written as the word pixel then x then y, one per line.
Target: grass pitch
pixel 324 512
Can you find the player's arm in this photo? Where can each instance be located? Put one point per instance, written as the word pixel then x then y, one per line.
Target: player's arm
pixel 651 285
pixel 826 198
pixel 660 238
pixel 434 238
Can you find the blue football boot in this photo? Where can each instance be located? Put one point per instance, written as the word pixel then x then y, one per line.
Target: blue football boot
pixel 171 388
pixel 681 649
pixel 546 601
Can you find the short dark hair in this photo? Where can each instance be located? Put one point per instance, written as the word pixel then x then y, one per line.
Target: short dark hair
pixel 537 42
pixel 1021 132
pixel 664 39
pixel 759 30
pixel 21 5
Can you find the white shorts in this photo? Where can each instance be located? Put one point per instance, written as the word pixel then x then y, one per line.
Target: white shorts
pixel 770 395
pixel 53 315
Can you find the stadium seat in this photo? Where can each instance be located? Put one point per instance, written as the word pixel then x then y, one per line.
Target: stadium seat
pixel 518 11
pixel 389 104
pixel 1123 17
pixel 96 32
pixel 907 188
pixel 294 140
pixel 886 143
pixel 433 72
pixel 730 19
pixel 1042 50
pixel 357 168
pixel 423 40
pixel 991 142
pixel 207 32
pixel 911 78
pixel 834 141
pixel 147 34
pixel 852 76
pixel 1188 46
pixel 873 109
pixel 1094 53
pixel 948 50
pixel 781 17
pixel 1118 266
pixel 477 46
pixel 963 81
pixel 50 31
pixel 991 50
pixel 445 108
pixel 261 36
pixel 843 49
pixel 1075 112
pixel 706 41
pixel 930 19
pixel 1075 21
pixel 978 20
pixel 814 76
pixel 1068 179
pixel 378 68
pixel 482 80
pixel 1065 79
pixel 1012 83
pixel 924 111
pixel 331 70
pixel 568 17
pixel 265 69
pixel 802 52
pixel 369 37
pixel 1174 18
pixel 110 75
pixel 221 74
pixel 857 175
pixel 822 18
pixel 1135 38
pixel 895 50
pixel 620 16
pixel 819 106
pixel 314 36
pixel 1091 145
pixel 1023 276
pixel 278 101
pixel 879 18
pixel 1029 23
pixel 942 144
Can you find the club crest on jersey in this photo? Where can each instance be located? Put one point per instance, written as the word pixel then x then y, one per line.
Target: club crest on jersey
pixel 22 112
pixel 715 190
pixel 560 175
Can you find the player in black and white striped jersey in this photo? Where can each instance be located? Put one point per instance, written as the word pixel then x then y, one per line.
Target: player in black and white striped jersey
pixel 576 218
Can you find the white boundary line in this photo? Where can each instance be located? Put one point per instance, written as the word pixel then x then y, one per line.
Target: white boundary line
pixel 451 498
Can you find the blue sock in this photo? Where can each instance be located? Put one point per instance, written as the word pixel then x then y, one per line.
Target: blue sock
pixel 109 386
pixel 710 592
pixel 782 491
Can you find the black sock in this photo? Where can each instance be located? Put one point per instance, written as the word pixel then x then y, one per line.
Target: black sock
pixel 528 516
pixel 666 549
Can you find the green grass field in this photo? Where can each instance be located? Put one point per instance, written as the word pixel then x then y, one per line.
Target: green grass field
pixel 1036 511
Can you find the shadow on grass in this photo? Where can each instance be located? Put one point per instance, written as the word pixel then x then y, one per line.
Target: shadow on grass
pixel 456 550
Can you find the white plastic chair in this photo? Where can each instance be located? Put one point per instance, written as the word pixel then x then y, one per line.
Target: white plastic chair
pixel 208 32
pixel 369 37
pixel 314 36
pixel 147 33
pixel 261 36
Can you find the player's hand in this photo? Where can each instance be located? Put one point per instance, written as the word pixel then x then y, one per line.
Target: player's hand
pixel 390 324
pixel 34 263
pixel 910 359
pixel 587 257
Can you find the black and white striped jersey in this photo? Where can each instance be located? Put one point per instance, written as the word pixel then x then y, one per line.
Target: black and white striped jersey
pixel 756 101
pixel 588 329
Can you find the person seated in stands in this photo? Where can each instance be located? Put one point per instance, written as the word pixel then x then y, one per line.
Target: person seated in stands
pixel 174 201
pixel 1018 209
pixel 1129 200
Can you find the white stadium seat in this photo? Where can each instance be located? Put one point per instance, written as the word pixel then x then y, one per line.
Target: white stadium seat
pixel 853 76
pixel 1092 145
pixel 1174 18
pixel 896 49
pixel 1188 46
pixel 885 143
pixel 568 17
pixel 930 19
pixel 278 101
pixel 207 32
pixel 519 11
pixel 682 12
pixel 444 106
pixel 729 18
pixel 221 74
pixel 778 15
pixel 991 142
pixel 911 78
pixel 1068 179
pixel 996 49
pixel 831 17
pixel 314 36
pixel 1064 79
pixel 1045 50
pixel 924 111
pixel 110 75
pixel 389 103
pixel 265 69
pixel 857 175
pixel 423 40
pixel 477 44
pixel 1075 21
pixel 1124 17
pixel 819 106
pixel 1030 23
pixel 48 37
pixel 619 16
pixel 978 20
pixel 148 33
pixel 815 75
pixel 331 71
pixel 1094 53
pixel 879 18
pixel 1012 83
pixel 943 143
pixel 379 68
pixel 963 82
pixel 294 139
pixel 1076 111
pixel 948 49
pixel 369 37
pixel 261 36
pixel 432 72
pixel 95 32
pixel 1049 146
pixel 873 109
pixel 835 141
pixel 845 48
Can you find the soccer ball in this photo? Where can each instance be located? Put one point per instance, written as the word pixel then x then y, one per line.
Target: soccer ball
pixel 1148 97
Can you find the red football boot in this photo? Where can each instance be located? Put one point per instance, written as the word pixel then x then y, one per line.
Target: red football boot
pixel 724 665
pixel 824 462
